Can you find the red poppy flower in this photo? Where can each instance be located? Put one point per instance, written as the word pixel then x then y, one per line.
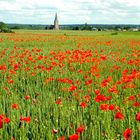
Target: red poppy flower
pixel 54 131
pixel 14 106
pixel 111 107
pixel 136 104
pixel 102 98
pixel 1 123
pixel 61 138
pixel 113 89
pixel 3 67
pixel 104 83
pixel 97 91
pixel 58 101
pixel 131 98
pixel 72 87
pixel 103 57
pixel 103 107
pixel 6 120
pixel 26 119
pixel 80 129
pixel 138 117
pixel 73 137
pixel 10 81
pixel 80 71
pixel 83 105
pixel 88 82
pixel 26 97
pixel 127 133
pixel 87 98
pixel 119 115
pixel 118 82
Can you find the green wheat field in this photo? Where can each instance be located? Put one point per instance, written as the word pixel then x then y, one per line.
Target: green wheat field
pixel 69 85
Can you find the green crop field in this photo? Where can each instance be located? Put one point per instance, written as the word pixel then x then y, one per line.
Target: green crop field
pixel 69 85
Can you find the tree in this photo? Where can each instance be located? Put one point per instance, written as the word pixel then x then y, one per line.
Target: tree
pixel 2 25
pixel 46 28
pixel 50 27
pixel 4 28
pixel 15 27
pixel 86 27
pixel 99 29
pixel 76 28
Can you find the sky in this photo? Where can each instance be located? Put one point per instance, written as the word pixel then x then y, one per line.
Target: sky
pixel 70 11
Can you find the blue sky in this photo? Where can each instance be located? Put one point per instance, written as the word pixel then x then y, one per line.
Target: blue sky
pixel 70 11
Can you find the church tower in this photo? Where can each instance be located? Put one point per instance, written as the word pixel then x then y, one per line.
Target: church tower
pixel 56 24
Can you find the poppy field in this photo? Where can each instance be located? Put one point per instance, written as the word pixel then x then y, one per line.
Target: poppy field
pixel 68 85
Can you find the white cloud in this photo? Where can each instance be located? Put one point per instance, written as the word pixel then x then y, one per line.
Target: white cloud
pixel 70 11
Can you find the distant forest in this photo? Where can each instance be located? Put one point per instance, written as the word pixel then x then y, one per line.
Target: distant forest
pixel 75 26
pixel 91 27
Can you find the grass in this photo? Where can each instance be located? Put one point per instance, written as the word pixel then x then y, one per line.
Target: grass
pixel 56 83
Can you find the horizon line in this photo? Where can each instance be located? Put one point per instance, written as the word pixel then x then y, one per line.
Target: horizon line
pixel 77 24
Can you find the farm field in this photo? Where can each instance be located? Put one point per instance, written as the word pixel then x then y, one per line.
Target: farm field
pixel 69 85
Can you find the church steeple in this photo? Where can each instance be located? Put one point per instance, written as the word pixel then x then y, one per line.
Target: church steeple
pixel 56 23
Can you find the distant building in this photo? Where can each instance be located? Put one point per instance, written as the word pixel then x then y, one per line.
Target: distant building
pixel 94 29
pixel 56 23
pixel 134 29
